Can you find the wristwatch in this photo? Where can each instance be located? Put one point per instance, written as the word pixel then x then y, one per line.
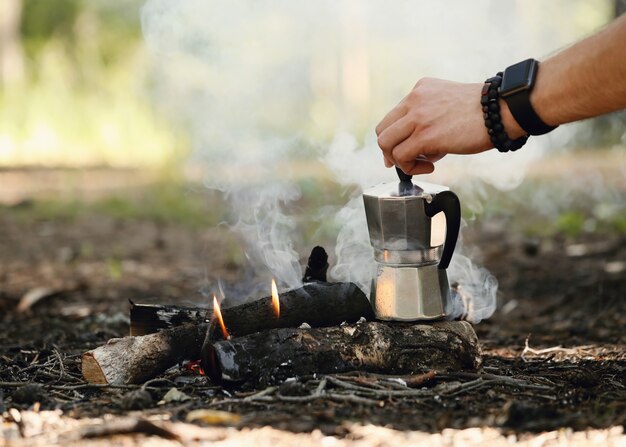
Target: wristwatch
pixel 517 83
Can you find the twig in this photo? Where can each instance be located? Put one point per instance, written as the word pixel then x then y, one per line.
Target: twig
pixel 361 380
pixel 157 380
pixel 419 380
pixel 321 386
pixel 61 366
pixel 572 351
pixel 331 396
pixel 384 393
pixel 265 392
pixel 348 385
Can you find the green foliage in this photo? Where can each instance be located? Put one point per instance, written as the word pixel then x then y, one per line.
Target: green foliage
pixel 164 202
pixel 110 28
pixel 571 223
pixel 83 101
pixel 619 222
pixel 114 269
pixel 45 20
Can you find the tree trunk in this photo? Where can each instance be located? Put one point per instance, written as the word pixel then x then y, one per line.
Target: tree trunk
pixel 11 54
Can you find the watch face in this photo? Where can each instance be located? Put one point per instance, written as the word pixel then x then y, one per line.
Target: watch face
pixel 518 77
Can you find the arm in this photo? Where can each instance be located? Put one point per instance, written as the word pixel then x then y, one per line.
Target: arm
pixel 439 117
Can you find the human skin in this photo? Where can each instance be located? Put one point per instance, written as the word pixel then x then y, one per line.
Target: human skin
pixel 440 117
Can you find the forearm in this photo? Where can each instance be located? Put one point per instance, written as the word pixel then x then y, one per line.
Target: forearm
pixel 584 80
pixel 440 117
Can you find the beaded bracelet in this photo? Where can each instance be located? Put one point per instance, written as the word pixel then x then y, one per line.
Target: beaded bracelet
pixel 493 121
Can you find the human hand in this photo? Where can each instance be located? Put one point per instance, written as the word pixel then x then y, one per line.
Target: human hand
pixel 436 118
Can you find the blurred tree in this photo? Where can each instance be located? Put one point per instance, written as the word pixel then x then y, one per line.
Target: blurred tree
pixel 11 54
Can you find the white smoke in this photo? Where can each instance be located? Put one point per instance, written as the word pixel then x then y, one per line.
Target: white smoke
pixel 250 79
pixel 474 294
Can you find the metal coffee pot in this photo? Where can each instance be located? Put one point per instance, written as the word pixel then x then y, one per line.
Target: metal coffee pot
pixel 413 229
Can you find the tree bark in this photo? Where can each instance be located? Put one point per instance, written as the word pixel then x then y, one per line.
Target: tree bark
pixel 392 348
pixel 136 359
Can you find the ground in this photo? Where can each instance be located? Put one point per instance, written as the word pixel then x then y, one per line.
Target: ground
pixel 554 351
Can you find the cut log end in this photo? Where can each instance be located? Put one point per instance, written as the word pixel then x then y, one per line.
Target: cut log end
pixel 91 369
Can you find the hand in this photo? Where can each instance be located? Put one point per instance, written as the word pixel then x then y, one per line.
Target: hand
pixel 436 118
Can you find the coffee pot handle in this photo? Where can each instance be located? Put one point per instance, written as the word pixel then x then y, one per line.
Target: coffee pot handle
pixel 448 202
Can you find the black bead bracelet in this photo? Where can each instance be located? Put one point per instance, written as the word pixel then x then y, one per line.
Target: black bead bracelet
pixel 493 121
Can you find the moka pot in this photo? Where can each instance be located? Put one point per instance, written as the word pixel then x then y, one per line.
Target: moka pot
pixel 413 229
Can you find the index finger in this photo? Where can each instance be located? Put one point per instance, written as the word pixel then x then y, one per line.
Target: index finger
pixel 394 115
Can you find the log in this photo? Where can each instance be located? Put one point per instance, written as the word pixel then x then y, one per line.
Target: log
pixel 381 347
pixel 150 318
pixel 317 303
pixel 316 266
pixel 182 332
pixel 131 360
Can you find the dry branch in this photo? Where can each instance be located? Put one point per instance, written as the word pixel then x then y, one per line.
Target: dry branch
pixel 396 348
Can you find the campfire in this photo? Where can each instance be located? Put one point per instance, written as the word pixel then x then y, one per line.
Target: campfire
pixel 321 327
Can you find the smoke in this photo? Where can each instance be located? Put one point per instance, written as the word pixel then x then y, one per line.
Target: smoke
pixel 255 81
pixel 475 289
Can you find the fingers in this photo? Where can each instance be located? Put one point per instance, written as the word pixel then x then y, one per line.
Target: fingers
pixel 418 166
pixel 388 162
pixel 412 158
pixel 396 113
pixel 395 134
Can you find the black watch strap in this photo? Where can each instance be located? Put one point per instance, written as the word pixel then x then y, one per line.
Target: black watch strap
pixel 523 112
pixel 518 82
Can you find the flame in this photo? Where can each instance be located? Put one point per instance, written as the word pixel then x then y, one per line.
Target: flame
pixel 196 367
pixel 275 299
pixel 217 313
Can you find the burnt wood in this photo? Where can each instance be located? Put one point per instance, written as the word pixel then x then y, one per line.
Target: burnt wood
pixel 317 265
pixel 317 303
pixel 178 333
pixel 382 347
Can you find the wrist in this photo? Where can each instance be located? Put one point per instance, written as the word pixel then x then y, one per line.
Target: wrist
pixel 499 135
pixel 512 127
pixel 540 99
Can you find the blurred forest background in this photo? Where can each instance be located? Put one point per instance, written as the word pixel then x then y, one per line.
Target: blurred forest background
pixel 80 127
pixel 75 84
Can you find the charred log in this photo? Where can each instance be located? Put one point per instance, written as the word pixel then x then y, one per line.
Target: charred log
pixel 392 348
pixel 318 303
pixel 141 357
pixel 150 318
pixel 317 266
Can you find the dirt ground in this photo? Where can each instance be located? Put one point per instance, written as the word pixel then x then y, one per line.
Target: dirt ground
pixel 554 352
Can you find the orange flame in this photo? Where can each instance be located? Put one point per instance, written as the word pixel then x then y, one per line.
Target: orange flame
pixel 195 366
pixel 275 299
pixel 217 313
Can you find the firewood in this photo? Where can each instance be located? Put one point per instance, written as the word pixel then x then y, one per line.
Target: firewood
pixel 317 303
pixel 317 265
pixel 381 347
pixel 137 359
